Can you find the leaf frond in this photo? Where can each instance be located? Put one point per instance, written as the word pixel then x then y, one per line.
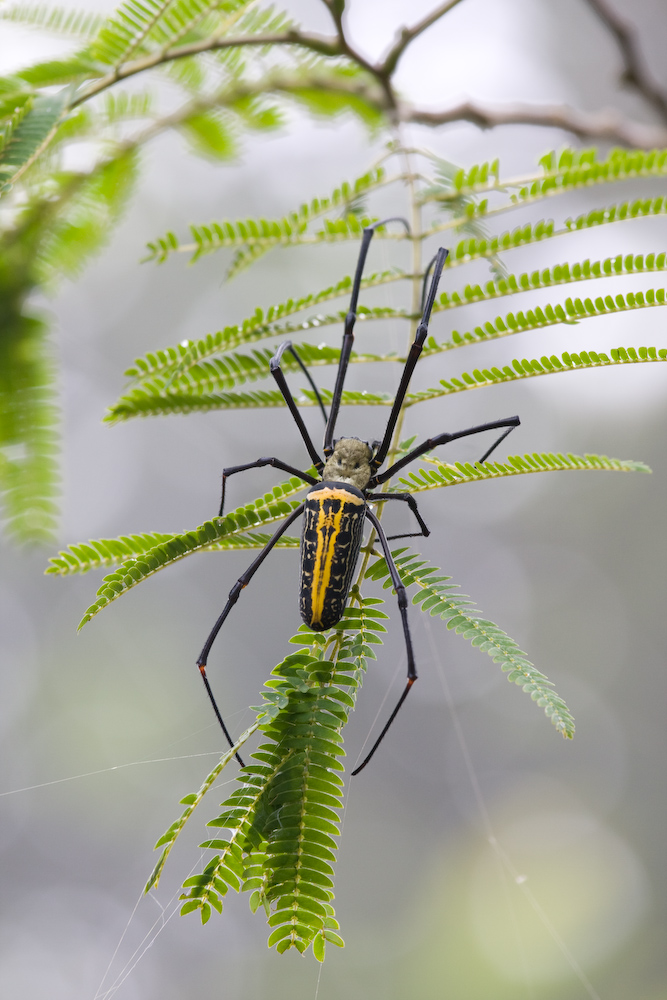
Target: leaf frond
pixel 209 536
pixel 283 820
pixel 570 312
pixel 446 474
pixel 568 170
pixel 523 368
pixel 260 326
pixel 472 248
pixel 169 838
pixel 28 134
pixel 82 24
pixel 265 234
pixel 437 596
pixel 559 274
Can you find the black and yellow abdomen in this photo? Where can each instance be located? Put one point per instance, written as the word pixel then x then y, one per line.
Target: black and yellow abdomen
pixel 333 528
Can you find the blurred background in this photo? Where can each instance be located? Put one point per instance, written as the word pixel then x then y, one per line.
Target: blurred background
pixel 483 857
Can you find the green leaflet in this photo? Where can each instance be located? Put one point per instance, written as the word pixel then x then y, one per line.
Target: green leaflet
pixel 205 385
pixel 262 324
pixel 61 20
pixel 522 369
pixel 516 465
pixel 568 170
pixel 560 274
pixel 168 839
pixel 141 556
pixel 203 390
pixel 266 233
pixel 282 821
pixel 139 25
pixel 147 557
pixel 439 597
pixel 27 134
pixel 28 422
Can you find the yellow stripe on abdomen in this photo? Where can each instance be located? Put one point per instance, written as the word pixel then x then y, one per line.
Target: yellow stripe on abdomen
pixel 328 529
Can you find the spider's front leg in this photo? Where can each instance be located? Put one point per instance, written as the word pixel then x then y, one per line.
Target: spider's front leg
pixel 231 470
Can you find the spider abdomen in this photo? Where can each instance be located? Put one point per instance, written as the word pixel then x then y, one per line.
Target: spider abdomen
pixel 333 528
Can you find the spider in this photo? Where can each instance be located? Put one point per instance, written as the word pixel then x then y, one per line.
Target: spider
pixel 337 505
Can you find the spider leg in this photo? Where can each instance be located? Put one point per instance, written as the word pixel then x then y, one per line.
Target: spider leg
pixel 413 357
pixel 348 334
pixel 292 349
pixel 508 422
pixel 231 470
pixel 402 599
pixel 277 373
pixel 242 582
pixel 412 503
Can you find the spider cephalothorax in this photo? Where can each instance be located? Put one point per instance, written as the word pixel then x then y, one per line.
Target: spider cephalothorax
pixel 349 463
pixel 339 503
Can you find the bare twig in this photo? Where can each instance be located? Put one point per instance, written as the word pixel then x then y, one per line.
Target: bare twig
pixel 406 35
pixel 634 65
pixel 603 126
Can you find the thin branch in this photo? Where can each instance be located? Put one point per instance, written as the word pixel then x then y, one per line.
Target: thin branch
pixel 634 71
pixel 316 43
pixel 406 35
pixel 336 10
pixel 275 82
pixel 604 126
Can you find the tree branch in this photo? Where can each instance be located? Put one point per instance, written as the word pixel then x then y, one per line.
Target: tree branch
pixel 336 9
pixel 634 71
pixel 406 35
pixel 275 82
pixel 604 126
pixel 316 43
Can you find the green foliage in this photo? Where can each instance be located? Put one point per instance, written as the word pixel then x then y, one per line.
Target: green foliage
pixel 254 237
pixel 25 133
pixel 522 369
pixel 283 819
pixel 516 465
pixel 81 24
pixel 228 532
pixel 437 596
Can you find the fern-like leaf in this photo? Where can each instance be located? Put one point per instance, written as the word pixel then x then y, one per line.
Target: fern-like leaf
pixel 30 134
pixel 568 170
pixel 437 596
pixel 168 839
pixel 82 24
pixel 569 312
pixel 283 820
pixel 260 326
pixel 227 532
pixel 265 234
pixel 517 369
pixel 445 474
